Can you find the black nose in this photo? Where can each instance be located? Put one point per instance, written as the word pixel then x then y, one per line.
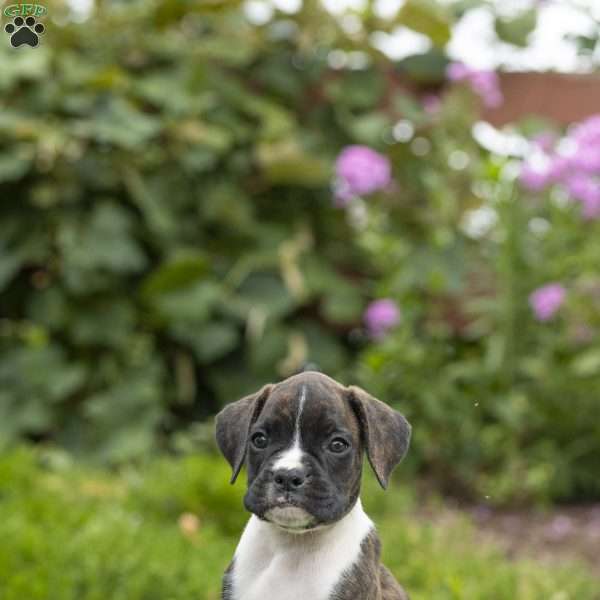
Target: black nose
pixel 289 479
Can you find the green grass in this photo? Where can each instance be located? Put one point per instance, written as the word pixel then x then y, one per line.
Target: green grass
pixel 69 532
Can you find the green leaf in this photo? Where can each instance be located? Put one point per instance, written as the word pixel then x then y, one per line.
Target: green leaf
pixel 23 66
pixel 324 348
pixel 586 364
pixel 50 308
pixel 268 350
pixel 10 263
pixel 158 215
pixel 585 43
pixel 276 121
pixel 370 128
pixel 516 31
pixel 428 68
pixel 106 322
pixel 120 421
pixel 234 50
pixel 318 274
pixel 357 90
pixel 16 164
pixel 192 304
pixel 287 163
pixel 185 268
pixel 427 17
pixel 39 379
pixel 265 293
pixel 215 138
pixel 101 242
pixel 226 204
pixel 210 341
pixel 344 305
pixel 119 124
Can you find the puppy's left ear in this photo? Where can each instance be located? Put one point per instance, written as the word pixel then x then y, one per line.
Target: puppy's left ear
pixel 233 427
pixel 386 433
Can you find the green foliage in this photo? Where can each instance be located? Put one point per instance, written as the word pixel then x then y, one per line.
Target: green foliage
pixel 159 193
pixel 516 31
pixel 427 17
pixel 168 243
pixel 70 532
pixel 502 404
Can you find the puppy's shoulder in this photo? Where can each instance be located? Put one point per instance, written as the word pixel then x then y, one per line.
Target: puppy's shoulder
pixel 368 579
pixel 390 588
pixel 362 579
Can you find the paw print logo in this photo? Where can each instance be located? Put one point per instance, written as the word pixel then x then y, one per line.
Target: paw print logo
pixel 24 31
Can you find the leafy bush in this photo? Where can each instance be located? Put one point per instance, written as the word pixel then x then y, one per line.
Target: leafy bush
pixel 170 242
pixel 165 219
pixel 503 403
pixel 168 530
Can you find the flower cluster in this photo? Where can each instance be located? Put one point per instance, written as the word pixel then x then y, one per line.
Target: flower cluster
pixel 360 171
pixel 572 162
pixel 381 316
pixel 546 300
pixel 484 83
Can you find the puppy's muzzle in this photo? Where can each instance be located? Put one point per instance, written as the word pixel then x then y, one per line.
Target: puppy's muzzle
pixel 289 480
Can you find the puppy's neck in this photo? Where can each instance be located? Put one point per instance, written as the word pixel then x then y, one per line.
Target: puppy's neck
pixel 273 563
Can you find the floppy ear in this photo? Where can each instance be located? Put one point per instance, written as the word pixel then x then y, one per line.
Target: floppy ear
pixel 233 426
pixel 386 433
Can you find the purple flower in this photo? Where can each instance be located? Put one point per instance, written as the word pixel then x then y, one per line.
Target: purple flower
pixel 587 133
pixel 573 162
pixel 534 177
pixel 360 171
pixel 546 300
pixel 586 190
pixel 381 316
pixel 586 159
pixel 582 187
pixel 559 167
pixel 585 141
pixel 545 141
pixel 487 85
pixel 483 82
pixel 591 206
pixel 432 104
pixel 541 170
pixel 457 71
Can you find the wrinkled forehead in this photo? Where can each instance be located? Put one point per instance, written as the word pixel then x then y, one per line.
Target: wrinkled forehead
pixel 309 401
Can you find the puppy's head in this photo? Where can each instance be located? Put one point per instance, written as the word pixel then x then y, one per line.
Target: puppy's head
pixel 303 441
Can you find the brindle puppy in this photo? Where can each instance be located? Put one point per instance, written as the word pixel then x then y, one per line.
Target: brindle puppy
pixel 308 538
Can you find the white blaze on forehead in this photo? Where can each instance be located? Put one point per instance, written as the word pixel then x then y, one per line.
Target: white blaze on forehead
pixel 292 457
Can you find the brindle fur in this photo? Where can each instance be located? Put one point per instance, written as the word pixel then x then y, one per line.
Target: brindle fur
pixel 227 593
pixel 369 579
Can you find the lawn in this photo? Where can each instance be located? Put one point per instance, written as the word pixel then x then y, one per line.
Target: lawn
pixel 166 529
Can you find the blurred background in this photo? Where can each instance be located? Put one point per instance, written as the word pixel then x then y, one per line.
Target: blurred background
pixel 201 196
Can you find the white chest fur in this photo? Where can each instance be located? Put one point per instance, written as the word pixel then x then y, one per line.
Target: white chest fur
pixel 271 563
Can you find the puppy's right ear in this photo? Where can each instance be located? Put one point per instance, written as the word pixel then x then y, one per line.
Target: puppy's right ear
pixel 233 427
pixel 385 431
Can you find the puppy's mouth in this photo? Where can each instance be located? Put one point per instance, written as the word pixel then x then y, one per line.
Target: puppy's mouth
pixel 290 517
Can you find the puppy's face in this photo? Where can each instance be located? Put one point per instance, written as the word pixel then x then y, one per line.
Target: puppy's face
pixel 304 455
pixel 303 441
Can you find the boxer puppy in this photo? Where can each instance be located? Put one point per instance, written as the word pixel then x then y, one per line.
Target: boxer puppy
pixel 308 538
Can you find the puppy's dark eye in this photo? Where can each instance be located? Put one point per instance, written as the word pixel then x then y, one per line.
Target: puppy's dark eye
pixel 260 441
pixel 338 445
